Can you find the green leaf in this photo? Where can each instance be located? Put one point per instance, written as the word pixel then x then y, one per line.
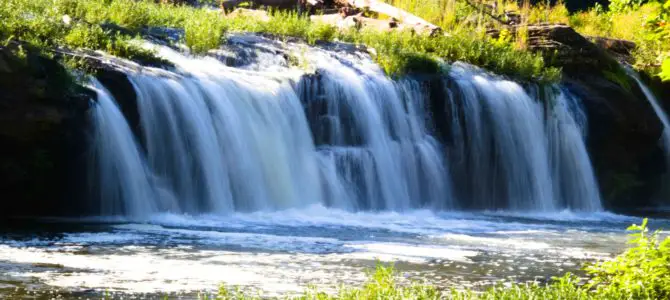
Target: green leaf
pixel 665 68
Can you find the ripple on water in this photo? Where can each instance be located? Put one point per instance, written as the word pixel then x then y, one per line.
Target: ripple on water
pixel 285 251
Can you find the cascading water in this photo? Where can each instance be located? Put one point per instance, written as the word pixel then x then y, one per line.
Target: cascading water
pixel 124 181
pixel 218 139
pixel 515 153
pixel 665 137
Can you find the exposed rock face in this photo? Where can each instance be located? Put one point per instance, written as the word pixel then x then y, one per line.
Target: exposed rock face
pixel 43 123
pixel 620 49
pixel 623 129
pixel 622 139
pixel 563 46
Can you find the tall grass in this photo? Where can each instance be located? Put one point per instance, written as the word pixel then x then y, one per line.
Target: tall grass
pixel 40 22
pixel 631 24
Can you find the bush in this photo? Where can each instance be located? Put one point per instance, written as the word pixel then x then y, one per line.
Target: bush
pixel 203 31
pixel 625 5
pixel 91 37
pixel 641 272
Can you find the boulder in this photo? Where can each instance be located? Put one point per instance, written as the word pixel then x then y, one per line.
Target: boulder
pixel 623 140
pixel 43 133
pixel 563 47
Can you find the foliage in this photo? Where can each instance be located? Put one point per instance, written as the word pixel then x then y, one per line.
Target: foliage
pixel 566 287
pixel 77 24
pixel 40 22
pixel 625 19
pixel 641 272
pixel 204 32
pixel 625 5
pixel 642 22
pixel 665 69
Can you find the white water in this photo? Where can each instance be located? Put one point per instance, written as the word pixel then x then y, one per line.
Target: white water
pixel 285 251
pixel 513 152
pixel 123 182
pixel 665 139
pixel 664 194
pixel 221 139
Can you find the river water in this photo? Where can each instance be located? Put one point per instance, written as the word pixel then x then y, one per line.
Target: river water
pixel 285 252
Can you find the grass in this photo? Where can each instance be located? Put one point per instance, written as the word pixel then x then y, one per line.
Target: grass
pixel 628 20
pixel 40 23
pixel 641 272
pixel 45 25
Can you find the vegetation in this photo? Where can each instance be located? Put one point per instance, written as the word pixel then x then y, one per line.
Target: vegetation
pixel 641 272
pixel 112 26
pixel 87 24
pixel 644 22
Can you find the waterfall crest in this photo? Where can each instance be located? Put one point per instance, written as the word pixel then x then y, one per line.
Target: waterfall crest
pixel 217 139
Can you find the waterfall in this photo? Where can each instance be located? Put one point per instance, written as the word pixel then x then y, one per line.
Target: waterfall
pixel 124 181
pixel 513 152
pixel 665 137
pixel 218 139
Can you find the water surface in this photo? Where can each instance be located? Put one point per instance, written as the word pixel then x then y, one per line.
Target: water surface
pixel 285 251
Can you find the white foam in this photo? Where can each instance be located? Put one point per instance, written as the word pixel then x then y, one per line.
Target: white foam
pixel 490 242
pixel 100 238
pixel 285 251
pixel 409 253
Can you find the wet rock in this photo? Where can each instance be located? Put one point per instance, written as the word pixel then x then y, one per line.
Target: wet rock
pixel 43 133
pixel 562 46
pixel 620 49
pixel 623 140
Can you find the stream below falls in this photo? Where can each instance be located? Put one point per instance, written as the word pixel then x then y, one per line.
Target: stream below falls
pixel 286 251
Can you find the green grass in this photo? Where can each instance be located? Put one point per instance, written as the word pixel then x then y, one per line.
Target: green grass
pixel 43 25
pixel 39 22
pixel 641 272
pixel 626 19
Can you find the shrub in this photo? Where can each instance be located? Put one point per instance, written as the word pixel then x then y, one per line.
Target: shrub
pixel 321 32
pixel 204 31
pixel 641 272
pixel 128 13
pixel 84 36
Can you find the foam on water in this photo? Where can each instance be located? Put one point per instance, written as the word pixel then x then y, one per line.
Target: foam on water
pixel 285 251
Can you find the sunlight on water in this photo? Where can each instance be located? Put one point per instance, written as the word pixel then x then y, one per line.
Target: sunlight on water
pixel 285 251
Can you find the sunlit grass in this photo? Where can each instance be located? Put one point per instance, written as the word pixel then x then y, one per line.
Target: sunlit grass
pixel 40 22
